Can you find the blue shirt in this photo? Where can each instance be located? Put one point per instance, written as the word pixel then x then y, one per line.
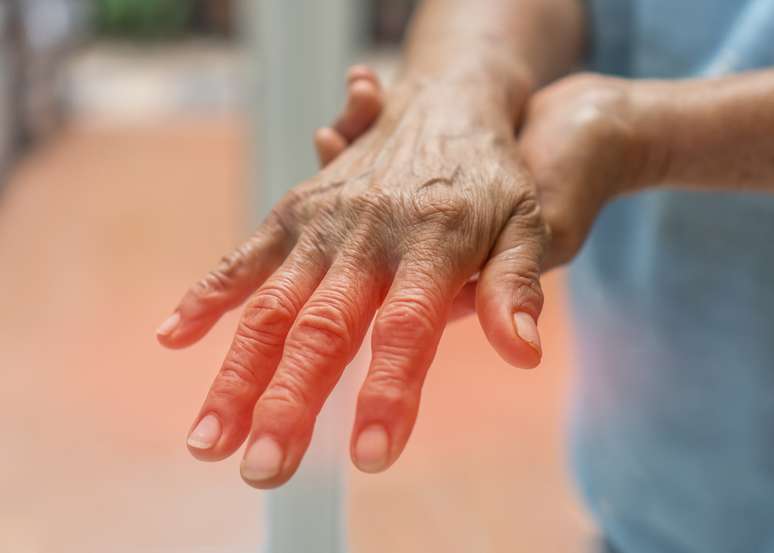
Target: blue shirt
pixel 672 425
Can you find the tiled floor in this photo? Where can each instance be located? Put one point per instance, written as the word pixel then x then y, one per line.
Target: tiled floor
pixel 100 231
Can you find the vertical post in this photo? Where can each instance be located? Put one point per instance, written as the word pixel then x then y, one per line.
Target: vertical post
pixel 8 60
pixel 299 51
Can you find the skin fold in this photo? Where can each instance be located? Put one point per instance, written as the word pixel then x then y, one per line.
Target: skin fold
pixel 447 194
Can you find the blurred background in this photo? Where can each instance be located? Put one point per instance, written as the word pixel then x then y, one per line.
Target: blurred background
pixel 131 140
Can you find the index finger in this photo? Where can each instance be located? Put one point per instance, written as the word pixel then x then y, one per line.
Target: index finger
pixel 227 286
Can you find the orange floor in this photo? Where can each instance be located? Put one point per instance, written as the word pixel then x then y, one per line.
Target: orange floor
pixel 100 231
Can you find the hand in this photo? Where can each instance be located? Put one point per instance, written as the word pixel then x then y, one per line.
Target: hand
pixel 398 223
pixel 583 142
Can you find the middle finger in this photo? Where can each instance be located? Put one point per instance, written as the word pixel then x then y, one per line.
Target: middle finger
pixel 323 340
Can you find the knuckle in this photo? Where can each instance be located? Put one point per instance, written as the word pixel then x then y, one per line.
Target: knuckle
pixel 374 200
pixel 235 379
pixel 289 203
pixel 267 318
pixel 529 295
pixel 590 88
pixel 450 213
pixel 518 264
pixel 526 227
pixel 521 274
pixel 230 264
pixel 599 110
pixel 528 281
pixel 323 330
pixel 317 243
pixel 288 390
pixel 374 207
pixel 529 212
pixel 253 339
pixel 392 391
pixel 518 268
pixel 230 268
pixel 223 277
pixel 584 80
pixel 369 251
pixel 376 217
pixel 284 216
pixel 213 285
pixel 407 321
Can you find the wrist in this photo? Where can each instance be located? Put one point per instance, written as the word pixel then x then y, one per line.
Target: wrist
pixel 656 120
pixel 463 98
pixel 633 123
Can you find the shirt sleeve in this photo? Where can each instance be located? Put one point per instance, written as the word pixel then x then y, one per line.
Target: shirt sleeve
pixel 611 33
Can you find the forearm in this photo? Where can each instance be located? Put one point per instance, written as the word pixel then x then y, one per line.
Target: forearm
pixel 496 51
pixel 715 133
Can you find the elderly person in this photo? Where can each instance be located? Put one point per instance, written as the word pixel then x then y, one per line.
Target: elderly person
pixel 454 191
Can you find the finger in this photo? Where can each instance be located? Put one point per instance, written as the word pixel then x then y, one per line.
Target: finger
pixel 226 287
pixel 364 104
pixel 363 72
pixel 405 338
pixel 324 339
pixel 509 297
pixel 224 419
pixel 329 144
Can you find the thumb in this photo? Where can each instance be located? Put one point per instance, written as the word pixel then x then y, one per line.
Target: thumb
pixel 509 298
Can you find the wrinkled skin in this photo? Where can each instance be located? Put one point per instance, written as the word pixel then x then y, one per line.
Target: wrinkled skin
pixel 394 229
pixel 582 142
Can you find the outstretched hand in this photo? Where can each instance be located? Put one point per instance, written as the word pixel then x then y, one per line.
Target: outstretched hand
pixel 393 229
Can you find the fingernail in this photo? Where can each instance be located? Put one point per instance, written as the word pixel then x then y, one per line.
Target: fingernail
pixel 263 460
pixel 527 330
pixel 206 434
pixel 372 449
pixel 168 326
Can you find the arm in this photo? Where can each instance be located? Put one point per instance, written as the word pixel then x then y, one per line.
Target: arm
pixel 509 38
pixel 484 57
pixel 495 49
pixel 713 133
